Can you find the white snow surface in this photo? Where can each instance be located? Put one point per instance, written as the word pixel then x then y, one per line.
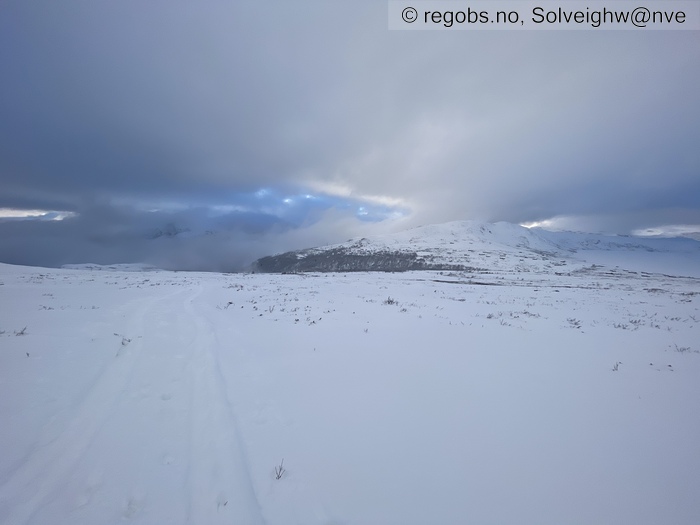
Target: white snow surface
pixel 551 391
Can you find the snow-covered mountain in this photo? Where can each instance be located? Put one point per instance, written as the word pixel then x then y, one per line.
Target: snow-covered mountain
pixel 485 247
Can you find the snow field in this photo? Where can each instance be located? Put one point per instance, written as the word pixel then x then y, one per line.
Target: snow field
pixel 166 397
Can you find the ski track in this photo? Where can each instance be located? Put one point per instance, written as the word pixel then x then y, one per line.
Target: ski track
pixel 45 471
pixel 77 471
pixel 221 487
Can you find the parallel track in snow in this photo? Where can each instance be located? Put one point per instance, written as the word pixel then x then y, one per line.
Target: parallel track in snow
pixel 221 487
pixel 44 472
pixel 105 459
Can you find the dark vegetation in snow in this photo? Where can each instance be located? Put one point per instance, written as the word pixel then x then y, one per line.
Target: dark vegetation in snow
pixel 343 260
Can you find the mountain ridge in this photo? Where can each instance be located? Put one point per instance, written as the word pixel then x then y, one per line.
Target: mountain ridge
pixel 471 246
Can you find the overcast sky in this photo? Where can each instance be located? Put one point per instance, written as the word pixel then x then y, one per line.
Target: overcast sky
pixel 202 135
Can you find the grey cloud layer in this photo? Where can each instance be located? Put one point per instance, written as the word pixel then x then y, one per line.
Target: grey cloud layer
pixel 175 100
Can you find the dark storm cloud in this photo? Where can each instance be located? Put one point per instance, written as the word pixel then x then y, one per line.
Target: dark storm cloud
pixel 177 107
pixel 103 235
pixel 185 237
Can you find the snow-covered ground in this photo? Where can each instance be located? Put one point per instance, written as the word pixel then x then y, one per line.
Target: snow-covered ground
pixel 513 397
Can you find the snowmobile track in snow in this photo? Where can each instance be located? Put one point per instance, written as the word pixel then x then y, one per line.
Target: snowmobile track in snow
pixel 50 464
pixel 221 488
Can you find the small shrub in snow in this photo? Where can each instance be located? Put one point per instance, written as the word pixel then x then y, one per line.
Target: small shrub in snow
pixel 23 331
pixel 575 323
pixel 280 470
pixel 389 300
pixel 684 349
